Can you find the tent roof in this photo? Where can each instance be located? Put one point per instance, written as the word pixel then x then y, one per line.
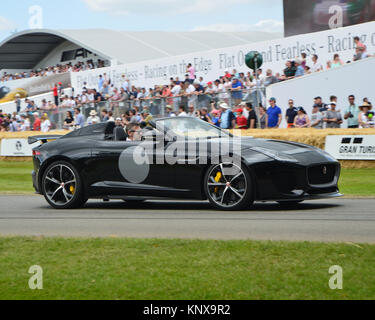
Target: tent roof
pixel 24 50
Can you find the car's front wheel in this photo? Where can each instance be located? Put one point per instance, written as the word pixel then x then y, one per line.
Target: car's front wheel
pixel 229 187
pixel 62 186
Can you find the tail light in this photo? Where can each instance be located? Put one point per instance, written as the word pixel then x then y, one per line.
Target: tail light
pixel 36 153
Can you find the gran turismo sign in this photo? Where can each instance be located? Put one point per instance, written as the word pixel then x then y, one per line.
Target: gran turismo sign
pixel 351 147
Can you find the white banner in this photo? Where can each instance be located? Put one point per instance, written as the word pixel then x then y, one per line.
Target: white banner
pixel 351 147
pixel 16 148
pixel 212 64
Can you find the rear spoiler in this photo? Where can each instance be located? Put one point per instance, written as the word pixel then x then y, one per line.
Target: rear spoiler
pixel 43 139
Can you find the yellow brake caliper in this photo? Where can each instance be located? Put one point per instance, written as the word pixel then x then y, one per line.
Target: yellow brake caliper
pixel 72 189
pixel 217 179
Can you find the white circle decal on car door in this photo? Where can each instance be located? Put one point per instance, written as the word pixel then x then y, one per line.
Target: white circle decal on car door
pixel 134 164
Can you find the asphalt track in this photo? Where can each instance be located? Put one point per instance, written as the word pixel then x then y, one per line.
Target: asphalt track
pixel 336 220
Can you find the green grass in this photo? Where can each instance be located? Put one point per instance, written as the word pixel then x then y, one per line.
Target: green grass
pixel 358 182
pixel 15 177
pixel 180 269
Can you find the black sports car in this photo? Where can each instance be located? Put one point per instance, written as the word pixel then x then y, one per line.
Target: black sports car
pixel 179 158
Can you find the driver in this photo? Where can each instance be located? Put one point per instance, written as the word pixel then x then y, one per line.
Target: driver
pixel 134 132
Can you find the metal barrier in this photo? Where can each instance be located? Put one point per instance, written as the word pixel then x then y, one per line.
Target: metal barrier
pixel 157 105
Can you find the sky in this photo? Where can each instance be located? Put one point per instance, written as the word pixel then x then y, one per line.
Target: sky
pixel 143 15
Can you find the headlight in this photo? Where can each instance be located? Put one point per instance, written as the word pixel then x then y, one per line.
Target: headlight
pixel 274 154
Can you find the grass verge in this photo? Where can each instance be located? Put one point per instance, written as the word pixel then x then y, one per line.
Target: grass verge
pixel 15 177
pixel 181 269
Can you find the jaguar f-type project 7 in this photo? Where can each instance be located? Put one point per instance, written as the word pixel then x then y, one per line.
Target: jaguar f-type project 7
pixel 178 158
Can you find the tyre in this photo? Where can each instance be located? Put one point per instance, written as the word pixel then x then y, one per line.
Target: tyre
pixel 62 186
pixel 229 187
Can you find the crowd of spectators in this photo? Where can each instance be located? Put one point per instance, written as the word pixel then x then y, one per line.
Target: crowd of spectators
pixel 61 68
pixel 241 116
pixel 226 102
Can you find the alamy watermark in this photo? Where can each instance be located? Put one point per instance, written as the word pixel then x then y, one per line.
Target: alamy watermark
pixel 36 280
pixel 164 147
pixel 36 17
pixel 336 282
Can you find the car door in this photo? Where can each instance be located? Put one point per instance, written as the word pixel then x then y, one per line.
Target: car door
pixel 120 172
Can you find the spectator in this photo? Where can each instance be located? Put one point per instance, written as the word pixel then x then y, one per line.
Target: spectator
pixel 263 118
pixel 104 115
pixel 351 113
pixel 45 124
pixel 191 73
pixel 37 122
pixel 337 62
pixel 191 112
pixel 125 84
pixel 365 117
pixel 237 91
pixel 93 118
pixel 359 44
pixel 97 96
pixel 18 102
pixel 300 70
pixel 147 116
pixel 189 90
pixel 241 120
pixel 25 123
pixel 199 92
pixel 317 118
pixel 302 120
pixel 215 117
pixel 333 118
pixel 227 119
pixel 100 83
pixel 204 116
pixel 252 119
pixel 291 114
pixel 270 78
pixel 69 121
pixel 318 101
pixel 79 119
pixel 274 115
pixel 303 60
pixel 169 112
pixel 333 99
pixel 55 91
pixel 290 70
pixel 316 66
pixel 14 125
pixel 182 112
pixel 359 54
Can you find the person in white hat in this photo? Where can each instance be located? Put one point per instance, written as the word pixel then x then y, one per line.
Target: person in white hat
pixel 227 119
pixel 93 118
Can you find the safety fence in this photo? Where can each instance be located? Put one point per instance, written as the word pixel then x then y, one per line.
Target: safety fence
pixel 157 105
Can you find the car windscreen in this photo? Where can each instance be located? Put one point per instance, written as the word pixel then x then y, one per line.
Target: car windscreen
pixel 189 127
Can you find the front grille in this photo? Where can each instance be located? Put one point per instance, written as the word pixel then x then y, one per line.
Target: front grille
pixel 322 174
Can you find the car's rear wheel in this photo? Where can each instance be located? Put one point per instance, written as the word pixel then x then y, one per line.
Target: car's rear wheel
pixel 62 186
pixel 229 187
